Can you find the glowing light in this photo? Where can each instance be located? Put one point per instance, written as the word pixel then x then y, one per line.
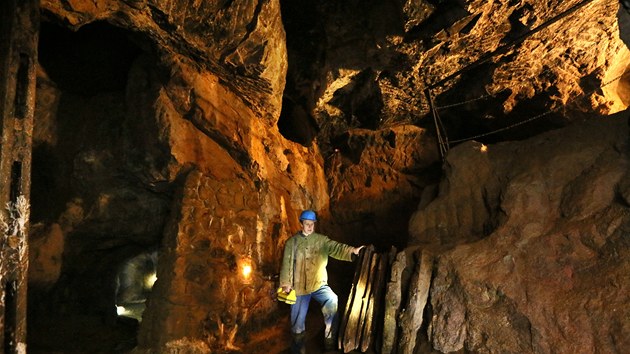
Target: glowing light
pixel 149 280
pixel 121 311
pixel 484 148
pixel 247 271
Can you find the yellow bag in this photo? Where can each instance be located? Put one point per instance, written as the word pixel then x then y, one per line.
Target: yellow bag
pixel 289 298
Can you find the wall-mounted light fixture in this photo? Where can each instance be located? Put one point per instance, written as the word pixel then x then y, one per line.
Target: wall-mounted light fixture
pixel 245 268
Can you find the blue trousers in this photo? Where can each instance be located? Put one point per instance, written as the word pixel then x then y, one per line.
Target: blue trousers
pixel 328 301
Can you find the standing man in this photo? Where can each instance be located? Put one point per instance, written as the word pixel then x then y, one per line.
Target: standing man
pixel 304 269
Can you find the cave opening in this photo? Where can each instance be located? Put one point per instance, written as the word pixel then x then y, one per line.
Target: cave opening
pixel 306 46
pixel 134 282
pixel 90 214
pixel 94 59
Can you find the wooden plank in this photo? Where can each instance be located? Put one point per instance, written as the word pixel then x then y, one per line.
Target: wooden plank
pixel 375 307
pixel 368 303
pixel 349 341
pixel 354 319
pixel 411 319
pixel 393 299
pixel 350 301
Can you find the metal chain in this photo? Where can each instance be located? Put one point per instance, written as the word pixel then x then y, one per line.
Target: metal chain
pixel 539 115
pixel 464 102
pixel 543 72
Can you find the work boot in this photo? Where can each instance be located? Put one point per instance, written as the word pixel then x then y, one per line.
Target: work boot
pixel 298 343
pixel 329 344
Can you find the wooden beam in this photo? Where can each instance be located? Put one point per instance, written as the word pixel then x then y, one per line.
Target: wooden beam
pixel 349 340
pixel 375 308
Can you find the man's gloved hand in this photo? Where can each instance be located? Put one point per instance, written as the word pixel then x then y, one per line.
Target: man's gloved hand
pixel 356 250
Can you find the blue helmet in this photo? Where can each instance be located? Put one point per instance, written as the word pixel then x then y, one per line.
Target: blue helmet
pixel 308 215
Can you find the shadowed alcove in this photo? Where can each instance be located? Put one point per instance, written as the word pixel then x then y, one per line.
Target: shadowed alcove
pixel 92 219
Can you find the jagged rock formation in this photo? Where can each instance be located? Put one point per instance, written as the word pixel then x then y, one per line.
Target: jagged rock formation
pixel 241 42
pixel 548 271
pixel 168 124
pixel 173 157
pixel 365 66
pixel 375 73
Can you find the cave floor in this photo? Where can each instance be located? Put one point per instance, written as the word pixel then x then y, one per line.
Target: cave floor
pixel 93 335
pixel 88 334
pixel 277 339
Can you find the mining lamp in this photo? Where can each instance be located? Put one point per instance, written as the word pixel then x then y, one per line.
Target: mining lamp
pixel 245 268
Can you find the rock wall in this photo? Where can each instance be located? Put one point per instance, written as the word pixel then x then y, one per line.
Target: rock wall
pixel 376 178
pixel 178 157
pixel 209 178
pixel 533 243
pixel 356 67
pixel 239 200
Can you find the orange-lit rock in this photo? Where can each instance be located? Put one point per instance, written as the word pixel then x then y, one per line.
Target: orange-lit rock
pixel 533 242
pixel 375 175
pixel 243 43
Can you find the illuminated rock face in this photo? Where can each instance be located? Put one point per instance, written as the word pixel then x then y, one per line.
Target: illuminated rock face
pixel 207 181
pixel 375 73
pixel 200 150
pixel 242 42
pixel 533 243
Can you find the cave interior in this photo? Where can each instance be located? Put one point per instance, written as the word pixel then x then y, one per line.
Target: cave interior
pixel 161 147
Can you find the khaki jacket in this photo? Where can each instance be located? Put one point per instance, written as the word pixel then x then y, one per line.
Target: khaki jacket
pixel 312 254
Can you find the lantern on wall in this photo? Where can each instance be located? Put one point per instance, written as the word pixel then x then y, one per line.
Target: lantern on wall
pixel 245 269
